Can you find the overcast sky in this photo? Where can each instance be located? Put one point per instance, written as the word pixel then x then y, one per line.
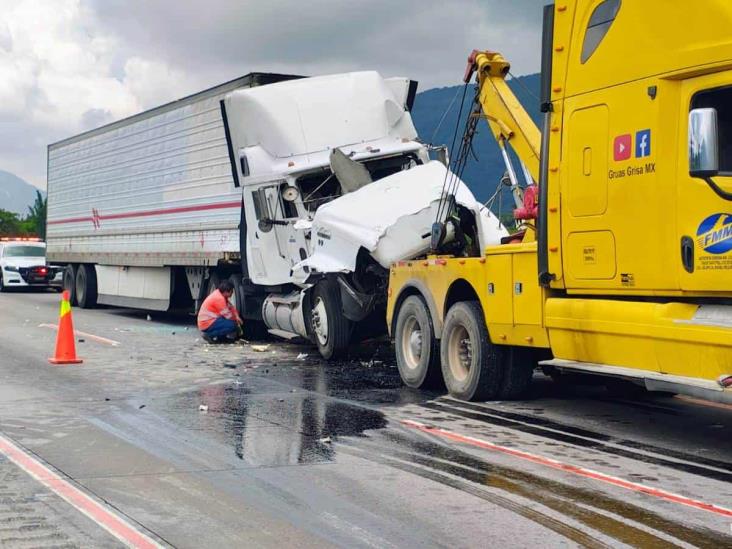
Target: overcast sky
pixel 71 65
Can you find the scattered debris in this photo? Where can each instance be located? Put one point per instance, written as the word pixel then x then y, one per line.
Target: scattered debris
pixel 325 440
pixel 172 333
pixel 203 408
pixel 141 406
pixel 302 356
pixel 149 317
pixel 260 348
pixel 229 365
pixel 107 399
pixel 80 340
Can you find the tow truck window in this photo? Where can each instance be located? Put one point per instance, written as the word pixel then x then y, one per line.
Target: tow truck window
pixel 597 28
pixel 721 100
pixel 24 251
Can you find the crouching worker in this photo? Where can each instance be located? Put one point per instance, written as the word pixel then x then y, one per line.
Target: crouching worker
pixel 218 319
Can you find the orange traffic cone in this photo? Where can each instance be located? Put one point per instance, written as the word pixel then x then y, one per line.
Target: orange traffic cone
pixel 65 345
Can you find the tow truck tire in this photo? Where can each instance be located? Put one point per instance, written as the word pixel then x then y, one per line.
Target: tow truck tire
pixel 331 330
pixel 471 364
pixel 69 283
pixel 518 370
pixel 86 286
pixel 417 350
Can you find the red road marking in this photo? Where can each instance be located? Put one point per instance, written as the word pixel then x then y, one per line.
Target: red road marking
pixel 146 213
pixel 93 337
pixel 99 513
pixel 574 469
pixel 708 403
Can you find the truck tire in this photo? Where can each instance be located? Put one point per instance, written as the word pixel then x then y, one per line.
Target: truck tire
pixel 70 283
pixel 518 370
pixel 253 330
pixel 2 285
pixel 213 283
pixel 86 286
pixel 471 364
pixel 331 330
pixel 417 350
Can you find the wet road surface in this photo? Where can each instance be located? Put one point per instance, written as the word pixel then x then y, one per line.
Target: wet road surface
pixel 198 445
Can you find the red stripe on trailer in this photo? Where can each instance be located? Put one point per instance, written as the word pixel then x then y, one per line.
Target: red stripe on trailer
pixel 148 213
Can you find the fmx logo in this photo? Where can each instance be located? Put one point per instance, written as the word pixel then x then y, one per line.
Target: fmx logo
pixel 643 143
pixel 714 234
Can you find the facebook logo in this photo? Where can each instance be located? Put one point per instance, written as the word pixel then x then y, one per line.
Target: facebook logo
pixel 643 143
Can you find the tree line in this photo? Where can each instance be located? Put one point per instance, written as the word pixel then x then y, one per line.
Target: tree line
pixel 32 224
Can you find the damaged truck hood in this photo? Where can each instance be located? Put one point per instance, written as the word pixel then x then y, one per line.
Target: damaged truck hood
pixel 391 218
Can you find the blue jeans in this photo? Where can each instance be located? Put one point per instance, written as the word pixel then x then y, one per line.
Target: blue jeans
pixel 221 327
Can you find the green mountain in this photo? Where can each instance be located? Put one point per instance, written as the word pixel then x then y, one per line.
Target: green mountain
pixel 16 194
pixel 483 175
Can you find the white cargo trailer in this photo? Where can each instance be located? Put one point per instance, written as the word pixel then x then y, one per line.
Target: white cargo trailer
pixel 154 210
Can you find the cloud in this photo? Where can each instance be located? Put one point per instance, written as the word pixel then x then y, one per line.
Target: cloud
pixel 71 65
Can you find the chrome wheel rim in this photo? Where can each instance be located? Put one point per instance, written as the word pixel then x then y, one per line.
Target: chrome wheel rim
pixel 320 321
pixel 412 343
pixel 460 353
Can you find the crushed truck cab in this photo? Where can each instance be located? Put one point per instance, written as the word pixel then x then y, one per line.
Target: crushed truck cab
pixel 625 268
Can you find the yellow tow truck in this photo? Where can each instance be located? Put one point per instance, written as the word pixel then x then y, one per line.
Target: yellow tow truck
pixel 623 264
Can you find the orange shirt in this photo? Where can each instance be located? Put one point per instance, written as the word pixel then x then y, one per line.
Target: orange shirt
pixel 213 307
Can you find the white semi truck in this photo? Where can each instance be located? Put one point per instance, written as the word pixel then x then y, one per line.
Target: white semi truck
pixel 302 191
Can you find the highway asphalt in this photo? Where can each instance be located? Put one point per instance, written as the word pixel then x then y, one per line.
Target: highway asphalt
pixel 164 440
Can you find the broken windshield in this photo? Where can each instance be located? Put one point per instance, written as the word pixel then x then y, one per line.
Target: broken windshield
pixel 323 186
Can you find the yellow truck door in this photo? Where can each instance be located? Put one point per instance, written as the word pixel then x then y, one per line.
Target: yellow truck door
pixel 704 219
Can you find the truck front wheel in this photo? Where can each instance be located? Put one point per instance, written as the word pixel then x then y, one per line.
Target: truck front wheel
pixel 471 364
pixel 417 350
pixel 331 330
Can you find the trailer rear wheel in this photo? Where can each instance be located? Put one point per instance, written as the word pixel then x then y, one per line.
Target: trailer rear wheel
pixel 253 330
pixel 86 286
pixel 213 283
pixel 331 330
pixel 471 364
pixel 417 350
pixel 70 283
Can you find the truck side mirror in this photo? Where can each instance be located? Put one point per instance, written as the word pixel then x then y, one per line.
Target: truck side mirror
pixel 703 143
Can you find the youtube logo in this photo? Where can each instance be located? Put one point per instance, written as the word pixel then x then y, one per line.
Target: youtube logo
pixel 622 147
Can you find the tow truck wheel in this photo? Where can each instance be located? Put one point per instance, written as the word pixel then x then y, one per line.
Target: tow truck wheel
pixel 331 330
pixel 471 364
pixel 86 286
pixel 518 370
pixel 70 283
pixel 417 350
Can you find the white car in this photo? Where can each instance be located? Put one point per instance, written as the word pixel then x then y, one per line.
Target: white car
pixel 23 264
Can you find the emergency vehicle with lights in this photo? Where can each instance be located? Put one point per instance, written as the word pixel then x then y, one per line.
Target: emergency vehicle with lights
pixel 23 264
